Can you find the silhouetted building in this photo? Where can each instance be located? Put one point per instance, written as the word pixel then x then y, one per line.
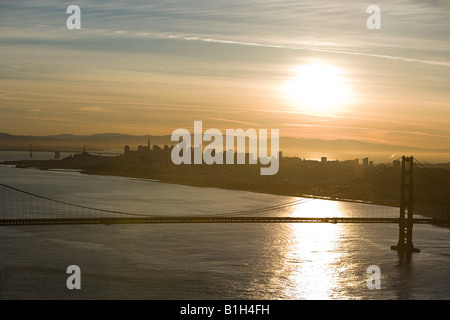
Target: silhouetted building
pixel 323 159
pixel 143 152
pixel 352 162
pixel 366 162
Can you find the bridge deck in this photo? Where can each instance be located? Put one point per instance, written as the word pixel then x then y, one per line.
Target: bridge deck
pixel 160 220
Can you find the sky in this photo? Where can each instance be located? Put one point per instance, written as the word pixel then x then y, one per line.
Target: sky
pixel 311 69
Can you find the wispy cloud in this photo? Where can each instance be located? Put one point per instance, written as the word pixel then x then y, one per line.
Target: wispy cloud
pixel 247 123
pixel 382 56
pixel 94 109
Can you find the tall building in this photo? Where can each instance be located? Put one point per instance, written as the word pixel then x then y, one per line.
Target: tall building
pixel 366 162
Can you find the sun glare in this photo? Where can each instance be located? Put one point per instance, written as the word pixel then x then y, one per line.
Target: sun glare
pixel 318 88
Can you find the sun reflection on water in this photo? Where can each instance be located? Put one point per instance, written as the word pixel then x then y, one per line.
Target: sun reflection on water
pixel 318 208
pixel 314 258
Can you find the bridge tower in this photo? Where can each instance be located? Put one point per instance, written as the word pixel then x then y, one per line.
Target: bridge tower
pixel 406 207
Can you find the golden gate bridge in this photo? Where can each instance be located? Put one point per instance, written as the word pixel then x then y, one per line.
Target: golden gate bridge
pixel 418 203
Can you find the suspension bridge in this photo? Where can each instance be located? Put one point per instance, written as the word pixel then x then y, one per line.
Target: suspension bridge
pixel 421 196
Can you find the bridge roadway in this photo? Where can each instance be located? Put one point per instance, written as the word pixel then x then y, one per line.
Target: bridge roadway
pixel 204 219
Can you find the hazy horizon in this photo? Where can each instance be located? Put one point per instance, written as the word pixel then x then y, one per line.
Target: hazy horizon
pixel 310 149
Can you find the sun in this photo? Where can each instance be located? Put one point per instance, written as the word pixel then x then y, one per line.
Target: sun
pixel 318 88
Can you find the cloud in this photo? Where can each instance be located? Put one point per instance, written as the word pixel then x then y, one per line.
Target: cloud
pixel 35 110
pixel 415 29
pixel 94 109
pixel 247 123
pixel 382 56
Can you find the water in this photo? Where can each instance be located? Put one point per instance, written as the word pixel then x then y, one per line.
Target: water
pixel 208 261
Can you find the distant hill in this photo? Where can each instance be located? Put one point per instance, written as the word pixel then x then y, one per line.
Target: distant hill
pixel 299 147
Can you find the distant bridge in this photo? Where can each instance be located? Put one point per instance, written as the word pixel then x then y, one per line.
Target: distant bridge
pixel 55 150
